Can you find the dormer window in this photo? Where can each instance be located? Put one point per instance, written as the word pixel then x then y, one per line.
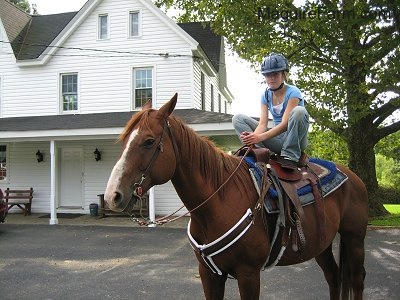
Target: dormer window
pixel 103 27
pixel 134 26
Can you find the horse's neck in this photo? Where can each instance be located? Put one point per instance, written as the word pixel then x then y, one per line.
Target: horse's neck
pixel 192 188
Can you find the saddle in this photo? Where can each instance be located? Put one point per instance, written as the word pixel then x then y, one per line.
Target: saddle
pixel 286 182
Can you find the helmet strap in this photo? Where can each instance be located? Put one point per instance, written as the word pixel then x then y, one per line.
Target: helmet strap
pixel 278 88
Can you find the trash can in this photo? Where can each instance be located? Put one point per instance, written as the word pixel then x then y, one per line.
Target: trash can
pixel 94 209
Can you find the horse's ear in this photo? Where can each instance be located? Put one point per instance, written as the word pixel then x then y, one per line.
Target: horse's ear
pixel 168 107
pixel 147 105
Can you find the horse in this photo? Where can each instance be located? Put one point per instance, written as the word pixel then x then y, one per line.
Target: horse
pixel 217 190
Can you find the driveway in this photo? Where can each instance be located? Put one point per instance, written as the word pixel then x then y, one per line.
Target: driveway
pixel 110 262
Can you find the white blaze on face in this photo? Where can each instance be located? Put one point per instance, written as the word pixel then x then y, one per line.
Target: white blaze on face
pixel 116 175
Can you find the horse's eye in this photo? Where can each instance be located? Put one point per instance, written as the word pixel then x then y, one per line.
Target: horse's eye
pixel 148 143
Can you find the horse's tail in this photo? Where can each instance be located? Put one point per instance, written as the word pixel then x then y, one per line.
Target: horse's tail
pixel 344 272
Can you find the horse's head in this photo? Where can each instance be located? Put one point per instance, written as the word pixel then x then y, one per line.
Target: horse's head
pixel 147 159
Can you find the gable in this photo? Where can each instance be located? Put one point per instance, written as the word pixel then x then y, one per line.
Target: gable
pixel 32 36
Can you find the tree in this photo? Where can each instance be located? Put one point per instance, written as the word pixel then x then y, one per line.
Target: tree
pixel 346 55
pixel 22 4
pixel 327 145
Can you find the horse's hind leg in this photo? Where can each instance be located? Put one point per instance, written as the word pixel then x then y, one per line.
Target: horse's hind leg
pixel 330 268
pixel 213 284
pixel 354 248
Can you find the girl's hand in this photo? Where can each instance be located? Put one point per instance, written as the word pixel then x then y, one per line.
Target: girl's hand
pixel 250 138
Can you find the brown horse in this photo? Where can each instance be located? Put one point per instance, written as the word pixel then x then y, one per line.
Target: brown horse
pixel 158 147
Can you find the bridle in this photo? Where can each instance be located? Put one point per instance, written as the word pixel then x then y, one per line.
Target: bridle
pixel 138 190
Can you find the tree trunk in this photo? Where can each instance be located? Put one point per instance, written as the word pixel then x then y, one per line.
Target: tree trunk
pixel 362 162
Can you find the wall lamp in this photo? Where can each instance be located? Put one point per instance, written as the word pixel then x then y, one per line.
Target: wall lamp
pixel 97 154
pixel 39 156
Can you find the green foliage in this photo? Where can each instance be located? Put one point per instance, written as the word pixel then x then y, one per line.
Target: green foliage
pixel 22 4
pixel 346 56
pixel 327 145
pixel 347 52
pixel 390 146
pixel 387 171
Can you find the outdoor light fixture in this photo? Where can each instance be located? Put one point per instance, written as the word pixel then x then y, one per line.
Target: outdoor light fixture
pixel 39 156
pixel 97 154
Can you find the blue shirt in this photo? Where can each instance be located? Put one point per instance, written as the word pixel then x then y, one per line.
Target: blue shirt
pixel 291 92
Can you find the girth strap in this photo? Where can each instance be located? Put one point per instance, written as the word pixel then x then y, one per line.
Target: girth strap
pixel 319 205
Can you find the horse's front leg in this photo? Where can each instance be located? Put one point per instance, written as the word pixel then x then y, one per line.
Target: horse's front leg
pixel 249 285
pixel 213 284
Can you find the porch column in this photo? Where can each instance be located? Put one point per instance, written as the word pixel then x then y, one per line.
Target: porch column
pixel 152 210
pixel 53 213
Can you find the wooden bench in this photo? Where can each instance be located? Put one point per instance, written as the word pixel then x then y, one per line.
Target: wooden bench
pixel 19 198
pixel 141 207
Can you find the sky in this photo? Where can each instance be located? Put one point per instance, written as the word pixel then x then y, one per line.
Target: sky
pixel 243 82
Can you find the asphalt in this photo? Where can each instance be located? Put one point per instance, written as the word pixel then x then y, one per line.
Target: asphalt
pixel 87 220
pixel 115 258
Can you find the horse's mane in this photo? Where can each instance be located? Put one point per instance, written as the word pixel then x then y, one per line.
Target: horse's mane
pixel 141 117
pixel 203 154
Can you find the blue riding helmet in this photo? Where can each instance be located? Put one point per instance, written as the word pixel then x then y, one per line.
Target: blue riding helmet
pixel 274 62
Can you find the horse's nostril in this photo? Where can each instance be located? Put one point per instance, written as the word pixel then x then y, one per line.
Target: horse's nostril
pixel 117 198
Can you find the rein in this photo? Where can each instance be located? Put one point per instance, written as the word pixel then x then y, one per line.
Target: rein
pixel 165 219
pixel 138 188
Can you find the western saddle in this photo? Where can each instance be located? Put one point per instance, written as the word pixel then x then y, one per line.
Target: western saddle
pixel 286 181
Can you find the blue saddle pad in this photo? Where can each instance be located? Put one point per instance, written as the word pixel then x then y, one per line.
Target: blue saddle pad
pixel 330 180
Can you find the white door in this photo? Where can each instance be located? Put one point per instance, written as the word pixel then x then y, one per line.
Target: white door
pixel 71 178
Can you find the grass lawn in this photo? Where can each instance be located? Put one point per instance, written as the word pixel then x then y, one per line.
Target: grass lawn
pixel 390 220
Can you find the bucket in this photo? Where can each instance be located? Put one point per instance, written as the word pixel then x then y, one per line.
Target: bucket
pixel 94 208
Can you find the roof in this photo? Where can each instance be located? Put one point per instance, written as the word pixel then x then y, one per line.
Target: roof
pixel 15 21
pixel 208 40
pixel 41 32
pixel 101 120
pixel 31 34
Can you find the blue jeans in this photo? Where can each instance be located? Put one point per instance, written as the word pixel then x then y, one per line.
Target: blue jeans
pixel 288 144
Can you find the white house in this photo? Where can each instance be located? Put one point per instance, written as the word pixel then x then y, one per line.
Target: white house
pixel 69 83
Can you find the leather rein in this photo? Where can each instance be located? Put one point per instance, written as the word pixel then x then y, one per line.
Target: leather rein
pixel 138 190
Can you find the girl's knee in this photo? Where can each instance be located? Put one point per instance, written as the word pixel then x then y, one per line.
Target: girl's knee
pixel 238 118
pixel 299 112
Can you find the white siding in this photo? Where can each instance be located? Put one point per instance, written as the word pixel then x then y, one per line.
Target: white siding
pixel 104 77
pixel 167 200
pixel 104 85
pixel 26 172
pixel 209 80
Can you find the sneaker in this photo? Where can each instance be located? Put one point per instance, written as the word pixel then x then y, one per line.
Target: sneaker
pixel 287 163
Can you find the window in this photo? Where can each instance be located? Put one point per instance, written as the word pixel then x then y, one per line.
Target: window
pixel 69 92
pixel 3 162
pixel 143 86
pixel 134 23
pixel 203 91
pixel 219 103
pixel 103 27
